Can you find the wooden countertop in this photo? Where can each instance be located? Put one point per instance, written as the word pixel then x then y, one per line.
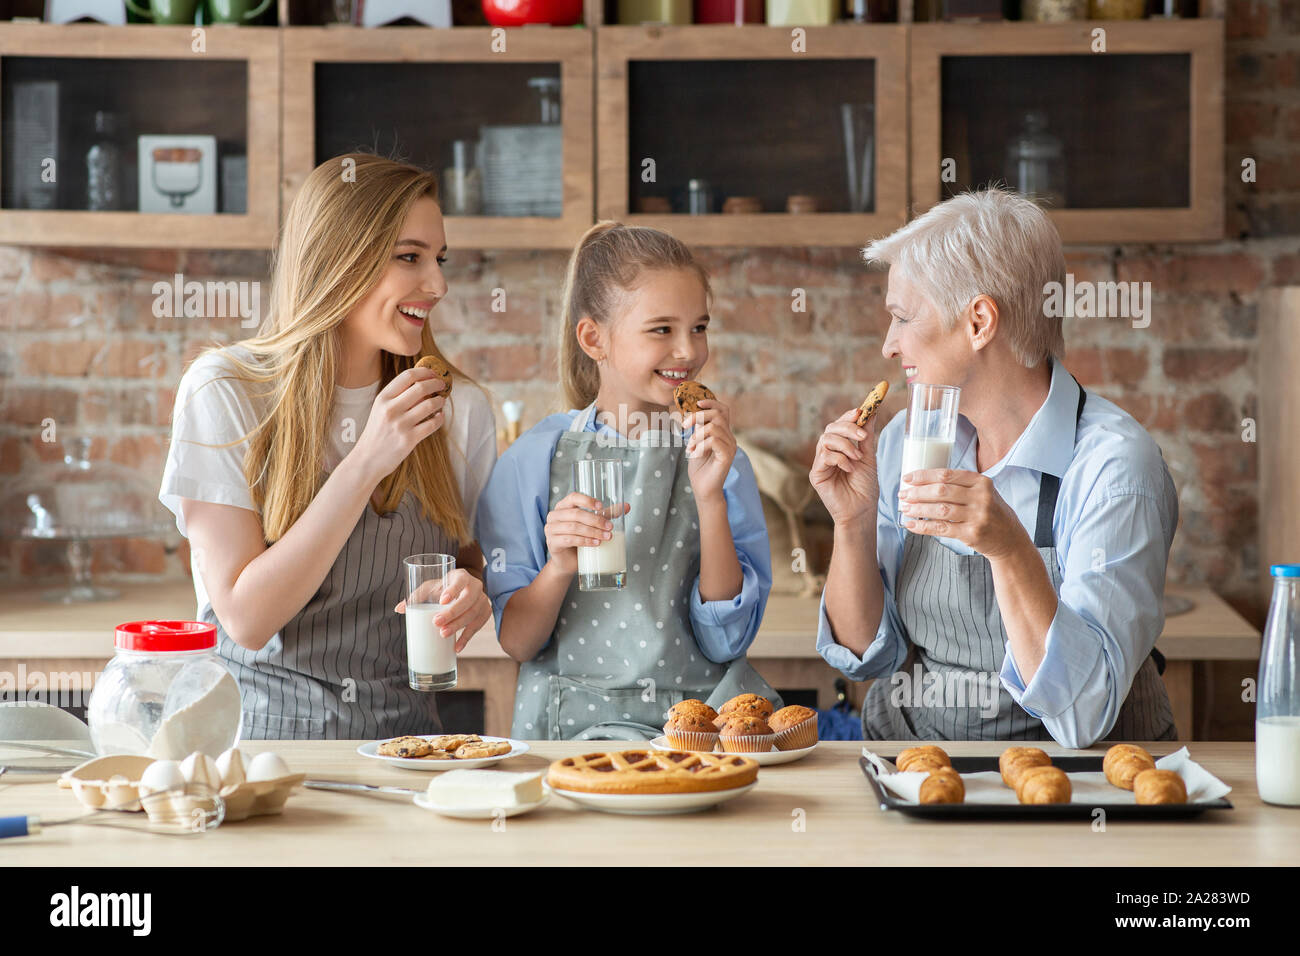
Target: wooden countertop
pixel 31 628
pixel 842 823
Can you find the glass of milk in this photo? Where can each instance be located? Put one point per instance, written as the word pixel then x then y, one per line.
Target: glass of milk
pixel 931 426
pixel 1277 709
pixel 430 657
pixel 604 567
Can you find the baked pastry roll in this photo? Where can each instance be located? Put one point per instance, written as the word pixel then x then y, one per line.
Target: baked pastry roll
pixel 1124 762
pixel 926 754
pixel 942 786
pixel 1043 785
pixel 1159 786
pixel 1016 760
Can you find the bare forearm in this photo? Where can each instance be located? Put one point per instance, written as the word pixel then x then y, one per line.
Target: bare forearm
pixel 720 575
pixel 855 596
pixel 1027 603
pixel 279 582
pixel 530 613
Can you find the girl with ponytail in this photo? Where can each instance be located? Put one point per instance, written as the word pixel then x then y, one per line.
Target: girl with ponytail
pixel 599 665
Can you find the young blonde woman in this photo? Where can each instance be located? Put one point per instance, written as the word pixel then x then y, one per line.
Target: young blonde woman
pixel 308 461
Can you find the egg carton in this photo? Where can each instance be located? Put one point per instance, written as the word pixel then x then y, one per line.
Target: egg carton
pixel 120 782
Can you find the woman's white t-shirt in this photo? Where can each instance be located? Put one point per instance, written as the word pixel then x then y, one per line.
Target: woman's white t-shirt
pixel 213 408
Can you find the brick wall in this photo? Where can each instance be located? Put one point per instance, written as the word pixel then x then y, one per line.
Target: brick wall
pixel 80 344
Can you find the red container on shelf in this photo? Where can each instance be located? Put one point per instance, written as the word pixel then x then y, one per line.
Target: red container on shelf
pixel 516 13
pixel 728 11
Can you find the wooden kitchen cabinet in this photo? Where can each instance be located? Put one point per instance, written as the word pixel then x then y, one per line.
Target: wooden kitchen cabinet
pixel 742 109
pixel 1141 124
pixel 412 91
pixel 156 82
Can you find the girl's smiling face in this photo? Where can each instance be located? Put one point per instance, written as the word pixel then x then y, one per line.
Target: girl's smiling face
pixel 392 316
pixel 657 339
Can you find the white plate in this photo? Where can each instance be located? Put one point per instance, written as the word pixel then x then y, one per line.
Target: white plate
pixel 646 804
pixel 517 747
pixel 478 813
pixel 773 756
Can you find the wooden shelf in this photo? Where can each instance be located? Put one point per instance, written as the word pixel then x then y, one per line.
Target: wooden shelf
pixel 568 51
pixel 137 50
pixel 1194 113
pixel 745 140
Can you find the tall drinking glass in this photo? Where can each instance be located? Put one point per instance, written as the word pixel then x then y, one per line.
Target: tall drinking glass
pixel 604 567
pixel 931 426
pixel 430 657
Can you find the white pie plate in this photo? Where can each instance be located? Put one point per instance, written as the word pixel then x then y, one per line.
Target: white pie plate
pixel 370 750
pixel 477 813
pixel 773 756
pixel 646 804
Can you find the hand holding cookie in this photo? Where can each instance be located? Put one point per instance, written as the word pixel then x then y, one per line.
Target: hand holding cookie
pixel 843 471
pixel 711 448
pixel 406 411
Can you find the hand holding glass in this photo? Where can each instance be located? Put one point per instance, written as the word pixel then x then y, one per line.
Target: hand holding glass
pixel 931 426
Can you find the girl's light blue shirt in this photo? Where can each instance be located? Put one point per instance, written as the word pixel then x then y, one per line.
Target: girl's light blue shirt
pixel 511 524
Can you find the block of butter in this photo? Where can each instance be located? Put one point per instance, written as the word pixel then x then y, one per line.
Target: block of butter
pixel 472 789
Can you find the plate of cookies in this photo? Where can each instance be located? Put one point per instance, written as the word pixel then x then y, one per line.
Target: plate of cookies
pixel 644 782
pixel 746 724
pixel 434 752
pixel 1026 782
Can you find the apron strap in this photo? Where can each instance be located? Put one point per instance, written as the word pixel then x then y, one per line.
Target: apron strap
pixel 1048 488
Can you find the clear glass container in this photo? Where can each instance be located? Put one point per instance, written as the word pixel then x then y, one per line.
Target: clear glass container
pixel 1053 11
pixel 104 165
pixel 77 500
pixel 462 183
pixel 1277 706
pixel 165 693
pixel 1035 165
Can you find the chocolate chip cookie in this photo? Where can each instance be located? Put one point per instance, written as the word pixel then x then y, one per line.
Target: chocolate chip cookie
pixel 687 396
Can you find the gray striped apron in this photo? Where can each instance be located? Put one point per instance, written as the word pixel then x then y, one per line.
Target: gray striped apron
pixel 617 660
pixel 950 614
pixel 337 670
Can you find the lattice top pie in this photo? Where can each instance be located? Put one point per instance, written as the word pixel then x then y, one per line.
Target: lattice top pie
pixel 652 771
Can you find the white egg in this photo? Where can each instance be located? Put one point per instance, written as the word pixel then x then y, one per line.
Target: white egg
pixel 162 775
pixel 198 767
pixel 231 767
pixel 267 766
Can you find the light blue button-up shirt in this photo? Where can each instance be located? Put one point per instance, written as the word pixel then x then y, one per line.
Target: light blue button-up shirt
pixel 1115 519
pixel 512 516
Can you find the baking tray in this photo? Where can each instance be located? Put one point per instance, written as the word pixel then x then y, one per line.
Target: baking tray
pixel 1020 811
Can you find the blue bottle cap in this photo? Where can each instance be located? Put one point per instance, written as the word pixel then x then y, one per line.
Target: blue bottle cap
pixel 1285 570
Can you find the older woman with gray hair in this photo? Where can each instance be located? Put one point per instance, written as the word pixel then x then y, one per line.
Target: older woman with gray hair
pixel 1017 594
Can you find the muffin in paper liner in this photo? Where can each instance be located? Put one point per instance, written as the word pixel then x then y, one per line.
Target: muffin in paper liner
pixel 801 735
pixel 748 743
pixel 691 740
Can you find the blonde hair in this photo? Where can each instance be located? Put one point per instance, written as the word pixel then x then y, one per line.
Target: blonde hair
pixel 992 242
pixel 607 262
pixel 338 237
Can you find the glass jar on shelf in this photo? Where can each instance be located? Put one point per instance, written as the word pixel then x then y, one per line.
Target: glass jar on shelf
pixel 1053 11
pixel 104 165
pixel 462 183
pixel 1117 9
pixel 1035 163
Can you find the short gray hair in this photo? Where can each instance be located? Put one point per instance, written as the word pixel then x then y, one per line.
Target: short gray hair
pixel 992 242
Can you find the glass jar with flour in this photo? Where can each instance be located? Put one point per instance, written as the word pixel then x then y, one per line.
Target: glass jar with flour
pixel 165 693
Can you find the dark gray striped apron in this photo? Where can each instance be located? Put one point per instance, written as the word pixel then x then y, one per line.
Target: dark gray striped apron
pixel 950 614
pixel 338 669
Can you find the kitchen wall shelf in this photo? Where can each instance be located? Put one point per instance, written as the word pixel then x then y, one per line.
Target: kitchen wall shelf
pixel 151 78
pixel 413 91
pixel 1141 124
pixel 736 106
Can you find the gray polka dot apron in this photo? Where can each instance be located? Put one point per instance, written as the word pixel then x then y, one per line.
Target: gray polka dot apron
pixel 337 670
pixel 950 614
pixel 617 660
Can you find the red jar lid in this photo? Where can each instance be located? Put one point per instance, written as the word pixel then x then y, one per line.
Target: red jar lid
pixel 163 636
